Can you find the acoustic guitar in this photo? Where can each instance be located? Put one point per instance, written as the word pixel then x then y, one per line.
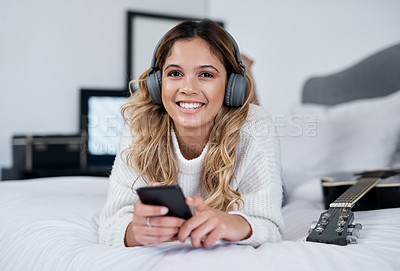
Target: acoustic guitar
pixel 366 190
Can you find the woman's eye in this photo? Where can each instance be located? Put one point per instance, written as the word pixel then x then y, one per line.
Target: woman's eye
pixel 174 73
pixel 207 74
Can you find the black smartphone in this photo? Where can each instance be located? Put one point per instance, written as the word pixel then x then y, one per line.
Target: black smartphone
pixel 168 196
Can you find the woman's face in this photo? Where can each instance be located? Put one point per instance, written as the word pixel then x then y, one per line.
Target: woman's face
pixel 193 86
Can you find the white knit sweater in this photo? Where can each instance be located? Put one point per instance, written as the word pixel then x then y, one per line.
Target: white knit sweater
pixel 258 180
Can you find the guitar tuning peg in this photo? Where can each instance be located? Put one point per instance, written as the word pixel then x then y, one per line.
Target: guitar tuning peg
pixel 353 232
pixel 351 239
pixel 312 226
pixel 356 225
pixel 325 215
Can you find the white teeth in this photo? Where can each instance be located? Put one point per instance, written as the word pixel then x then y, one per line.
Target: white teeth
pixel 190 105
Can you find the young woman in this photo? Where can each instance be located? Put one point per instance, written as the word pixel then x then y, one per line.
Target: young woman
pixel 191 123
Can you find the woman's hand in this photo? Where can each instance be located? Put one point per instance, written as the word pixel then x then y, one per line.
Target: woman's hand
pixel 209 225
pixel 149 225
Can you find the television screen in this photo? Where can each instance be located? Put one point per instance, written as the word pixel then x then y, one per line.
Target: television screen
pixel 105 124
pixel 102 124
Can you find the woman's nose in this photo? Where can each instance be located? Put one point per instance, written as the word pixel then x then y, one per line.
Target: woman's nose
pixel 189 86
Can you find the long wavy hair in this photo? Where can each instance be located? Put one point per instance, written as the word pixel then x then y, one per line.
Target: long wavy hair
pixel 151 153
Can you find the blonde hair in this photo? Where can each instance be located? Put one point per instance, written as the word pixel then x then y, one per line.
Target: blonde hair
pixel 152 155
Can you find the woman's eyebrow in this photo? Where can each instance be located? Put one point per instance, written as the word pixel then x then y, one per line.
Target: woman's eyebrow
pixel 207 67
pixel 172 66
pixel 199 67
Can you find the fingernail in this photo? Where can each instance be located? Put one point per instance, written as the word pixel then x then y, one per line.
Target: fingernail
pixel 189 199
pixel 164 210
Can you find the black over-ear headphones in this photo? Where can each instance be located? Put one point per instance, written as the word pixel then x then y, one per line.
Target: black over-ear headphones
pixel 235 87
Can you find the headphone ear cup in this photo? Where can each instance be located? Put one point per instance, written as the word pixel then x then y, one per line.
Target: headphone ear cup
pixel 235 90
pixel 228 91
pixel 154 86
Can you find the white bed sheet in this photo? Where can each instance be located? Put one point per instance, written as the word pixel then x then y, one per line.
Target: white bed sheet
pixel 51 224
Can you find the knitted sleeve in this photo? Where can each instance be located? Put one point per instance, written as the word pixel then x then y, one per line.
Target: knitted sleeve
pixel 117 213
pixel 258 178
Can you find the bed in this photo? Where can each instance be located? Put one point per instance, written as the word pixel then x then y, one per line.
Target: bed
pixel 52 223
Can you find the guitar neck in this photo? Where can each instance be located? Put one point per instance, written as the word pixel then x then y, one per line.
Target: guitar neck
pixel 354 193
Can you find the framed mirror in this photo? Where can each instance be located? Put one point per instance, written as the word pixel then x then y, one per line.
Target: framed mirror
pixel 144 30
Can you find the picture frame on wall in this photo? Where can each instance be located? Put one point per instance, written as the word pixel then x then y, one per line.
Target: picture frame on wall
pixel 144 30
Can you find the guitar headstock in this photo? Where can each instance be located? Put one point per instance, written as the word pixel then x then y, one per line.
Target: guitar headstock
pixel 334 227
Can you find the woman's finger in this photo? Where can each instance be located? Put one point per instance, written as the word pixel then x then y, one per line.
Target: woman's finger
pixel 159 231
pixel 211 238
pixel 191 224
pixel 141 230
pixel 166 221
pixel 141 209
pixel 197 202
pixel 152 239
pixel 153 184
pixel 202 232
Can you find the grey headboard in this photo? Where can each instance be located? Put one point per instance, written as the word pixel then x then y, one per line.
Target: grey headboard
pixel 378 75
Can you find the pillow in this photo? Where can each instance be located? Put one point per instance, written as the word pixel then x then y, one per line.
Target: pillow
pixel 395 163
pixel 358 135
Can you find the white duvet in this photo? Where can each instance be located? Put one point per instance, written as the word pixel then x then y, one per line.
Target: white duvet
pixel 51 224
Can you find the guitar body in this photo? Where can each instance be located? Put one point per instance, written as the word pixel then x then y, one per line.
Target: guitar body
pixel 386 194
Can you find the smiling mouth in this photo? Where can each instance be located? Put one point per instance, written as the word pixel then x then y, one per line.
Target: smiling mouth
pixel 189 105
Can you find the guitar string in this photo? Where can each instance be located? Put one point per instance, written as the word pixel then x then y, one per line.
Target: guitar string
pixel 379 174
pixel 367 184
pixel 354 192
pixel 359 190
pixel 347 195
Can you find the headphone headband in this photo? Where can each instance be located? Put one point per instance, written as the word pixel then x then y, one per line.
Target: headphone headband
pixel 153 59
pixel 237 52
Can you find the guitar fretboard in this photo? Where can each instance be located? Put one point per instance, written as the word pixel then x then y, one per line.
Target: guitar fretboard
pixel 354 193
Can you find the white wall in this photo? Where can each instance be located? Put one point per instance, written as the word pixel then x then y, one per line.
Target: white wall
pixel 50 49
pixel 290 40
